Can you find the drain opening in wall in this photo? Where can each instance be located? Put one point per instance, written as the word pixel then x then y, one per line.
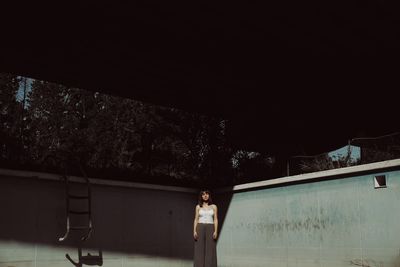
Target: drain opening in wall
pixel 380 181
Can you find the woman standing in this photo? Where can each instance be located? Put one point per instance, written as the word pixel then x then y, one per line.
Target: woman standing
pixel 205 229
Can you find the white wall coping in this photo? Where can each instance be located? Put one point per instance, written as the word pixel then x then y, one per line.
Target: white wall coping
pixel 377 166
pixel 57 177
pixel 322 175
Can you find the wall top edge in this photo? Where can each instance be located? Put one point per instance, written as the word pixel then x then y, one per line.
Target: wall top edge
pixel 96 181
pixel 321 175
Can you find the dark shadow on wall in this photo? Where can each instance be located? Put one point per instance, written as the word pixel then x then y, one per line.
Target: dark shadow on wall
pixel 222 200
pixel 126 220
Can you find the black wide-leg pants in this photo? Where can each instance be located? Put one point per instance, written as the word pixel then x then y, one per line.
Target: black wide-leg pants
pixel 205 251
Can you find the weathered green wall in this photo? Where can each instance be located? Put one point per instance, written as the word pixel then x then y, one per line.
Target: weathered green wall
pixel 331 223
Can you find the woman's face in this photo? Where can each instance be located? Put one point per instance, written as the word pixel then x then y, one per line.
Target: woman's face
pixel 205 196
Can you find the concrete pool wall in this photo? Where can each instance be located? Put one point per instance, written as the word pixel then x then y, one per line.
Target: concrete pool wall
pixel 332 218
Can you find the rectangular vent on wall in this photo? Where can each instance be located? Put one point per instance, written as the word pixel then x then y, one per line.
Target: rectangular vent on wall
pixel 380 181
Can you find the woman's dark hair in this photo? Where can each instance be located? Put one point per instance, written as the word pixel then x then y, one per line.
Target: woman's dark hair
pixel 200 200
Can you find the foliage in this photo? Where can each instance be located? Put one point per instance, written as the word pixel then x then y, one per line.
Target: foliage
pixel 379 148
pixel 252 166
pixel 9 119
pixel 117 138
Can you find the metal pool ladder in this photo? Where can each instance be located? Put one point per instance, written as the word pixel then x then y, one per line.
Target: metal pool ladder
pixel 86 198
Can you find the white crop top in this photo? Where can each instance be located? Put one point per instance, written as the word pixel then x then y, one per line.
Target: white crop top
pixel 206 215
